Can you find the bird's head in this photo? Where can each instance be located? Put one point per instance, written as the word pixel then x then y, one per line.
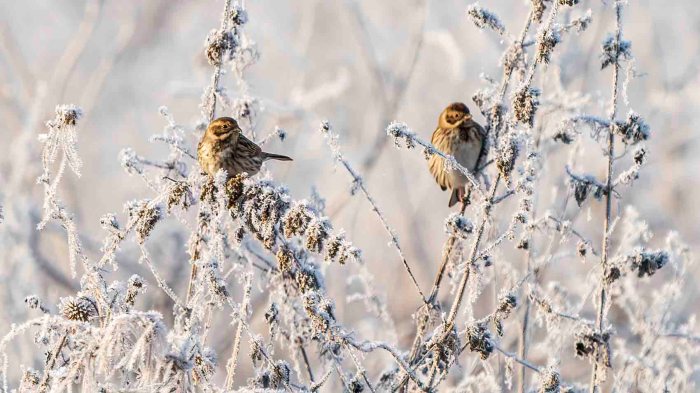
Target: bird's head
pixel 454 115
pixel 223 128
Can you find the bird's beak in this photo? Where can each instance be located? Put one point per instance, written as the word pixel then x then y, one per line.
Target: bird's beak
pixel 465 118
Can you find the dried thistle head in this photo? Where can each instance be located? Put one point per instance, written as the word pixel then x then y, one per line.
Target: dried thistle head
pixel 79 308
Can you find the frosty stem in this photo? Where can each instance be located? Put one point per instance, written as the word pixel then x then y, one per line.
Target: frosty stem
pixel 602 295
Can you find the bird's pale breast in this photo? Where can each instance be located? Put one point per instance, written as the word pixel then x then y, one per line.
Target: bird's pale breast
pixel 466 152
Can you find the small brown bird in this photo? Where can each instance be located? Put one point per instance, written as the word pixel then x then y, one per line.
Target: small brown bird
pixel 459 136
pixel 224 146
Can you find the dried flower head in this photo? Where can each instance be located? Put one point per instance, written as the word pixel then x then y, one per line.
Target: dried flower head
pixel 79 308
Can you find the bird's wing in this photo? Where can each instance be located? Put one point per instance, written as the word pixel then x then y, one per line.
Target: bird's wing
pixel 479 129
pixel 436 133
pixel 247 147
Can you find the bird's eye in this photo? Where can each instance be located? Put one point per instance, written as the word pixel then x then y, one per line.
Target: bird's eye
pixel 224 126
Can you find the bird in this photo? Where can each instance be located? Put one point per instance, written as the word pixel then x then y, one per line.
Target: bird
pixel 458 135
pixel 223 146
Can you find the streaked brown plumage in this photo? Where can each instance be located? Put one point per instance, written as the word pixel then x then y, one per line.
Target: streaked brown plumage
pixel 224 146
pixel 459 136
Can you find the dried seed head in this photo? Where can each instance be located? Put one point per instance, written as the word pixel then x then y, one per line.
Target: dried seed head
pixel 296 220
pixel 285 260
pixel 307 280
pixel 135 285
pixel 570 3
pixel 538 8
pixel 612 273
pixel 640 156
pixel 356 385
pixel 179 195
pixel 523 243
pixel 593 345
pixel 144 218
pixel 647 263
pixel 204 365
pixel 507 155
pixel 525 104
pixel 546 43
pixel 634 130
pixel 512 59
pixel 549 381
pixel 280 374
pixel 109 222
pixel 337 248
pixel 615 51
pixel 66 115
pixel 581 248
pixel 30 381
pixel 317 233
pixel 78 308
pixel 480 339
pixel 32 301
pixel 234 189
pixel 219 46
pixel 483 18
pixel 246 108
pixel 458 225
pixel 237 15
pixel 563 136
pixel 495 117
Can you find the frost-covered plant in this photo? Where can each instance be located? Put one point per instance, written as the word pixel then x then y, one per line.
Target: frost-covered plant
pixel 258 260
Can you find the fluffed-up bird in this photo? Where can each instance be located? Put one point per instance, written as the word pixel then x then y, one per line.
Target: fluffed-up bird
pixel 224 146
pixel 458 135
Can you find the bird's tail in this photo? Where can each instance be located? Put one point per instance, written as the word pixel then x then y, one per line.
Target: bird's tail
pixel 272 156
